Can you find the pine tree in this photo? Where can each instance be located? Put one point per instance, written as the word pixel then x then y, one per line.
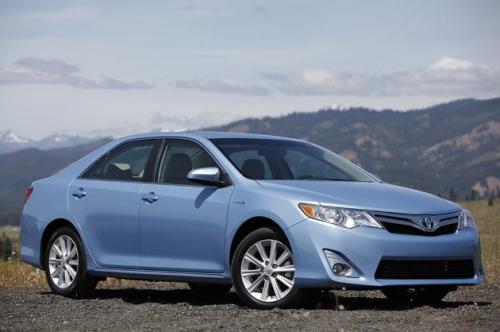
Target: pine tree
pixel 2 246
pixel 7 248
pixel 452 195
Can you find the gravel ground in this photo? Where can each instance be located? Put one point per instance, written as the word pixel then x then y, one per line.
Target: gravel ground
pixel 162 307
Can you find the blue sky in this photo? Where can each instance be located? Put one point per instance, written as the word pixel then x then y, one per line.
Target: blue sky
pixel 118 67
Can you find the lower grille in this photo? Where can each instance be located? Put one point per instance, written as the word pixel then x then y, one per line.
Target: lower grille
pixel 429 269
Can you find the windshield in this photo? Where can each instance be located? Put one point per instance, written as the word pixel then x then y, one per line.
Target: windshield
pixel 269 159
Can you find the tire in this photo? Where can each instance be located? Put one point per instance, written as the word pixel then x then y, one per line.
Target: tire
pixel 252 287
pixel 209 290
pixel 67 273
pixel 416 295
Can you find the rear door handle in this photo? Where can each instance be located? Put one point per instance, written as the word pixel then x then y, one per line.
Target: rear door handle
pixel 150 198
pixel 79 193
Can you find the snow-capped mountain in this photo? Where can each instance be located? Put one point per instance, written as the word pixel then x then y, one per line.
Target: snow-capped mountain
pixel 62 140
pixel 12 138
pixel 10 141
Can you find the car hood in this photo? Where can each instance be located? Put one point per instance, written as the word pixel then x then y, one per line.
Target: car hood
pixel 373 196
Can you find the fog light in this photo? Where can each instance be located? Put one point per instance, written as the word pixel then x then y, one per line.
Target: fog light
pixel 340 266
pixel 340 269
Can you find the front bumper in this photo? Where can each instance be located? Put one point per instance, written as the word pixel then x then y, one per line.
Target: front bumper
pixel 365 247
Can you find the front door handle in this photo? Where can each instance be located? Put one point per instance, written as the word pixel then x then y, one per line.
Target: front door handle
pixel 79 193
pixel 150 198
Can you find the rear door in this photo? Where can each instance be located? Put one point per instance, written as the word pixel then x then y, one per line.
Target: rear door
pixel 183 224
pixel 105 198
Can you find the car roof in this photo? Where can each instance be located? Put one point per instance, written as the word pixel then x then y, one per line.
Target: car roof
pixel 204 134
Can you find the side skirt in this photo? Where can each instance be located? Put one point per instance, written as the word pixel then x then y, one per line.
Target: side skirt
pixel 161 275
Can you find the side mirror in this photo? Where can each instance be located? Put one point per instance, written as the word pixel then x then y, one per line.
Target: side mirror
pixel 206 175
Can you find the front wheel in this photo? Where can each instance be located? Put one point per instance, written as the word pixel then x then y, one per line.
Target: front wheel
pixel 263 271
pixel 417 295
pixel 66 265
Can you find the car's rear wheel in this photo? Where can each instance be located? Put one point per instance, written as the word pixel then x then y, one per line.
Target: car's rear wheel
pixel 66 265
pixel 417 295
pixel 263 271
pixel 209 290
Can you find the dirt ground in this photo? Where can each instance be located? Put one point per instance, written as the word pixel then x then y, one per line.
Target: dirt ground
pixel 161 307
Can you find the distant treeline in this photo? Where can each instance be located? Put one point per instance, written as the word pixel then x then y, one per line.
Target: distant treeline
pixel 10 217
pixel 6 247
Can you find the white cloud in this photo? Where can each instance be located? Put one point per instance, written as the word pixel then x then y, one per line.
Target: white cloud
pixel 58 72
pixel 168 121
pixel 447 63
pixel 447 76
pixel 223 86
pixel 321 82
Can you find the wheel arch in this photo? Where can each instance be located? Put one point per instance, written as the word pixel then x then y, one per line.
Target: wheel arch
pixel 47 232
pixel 251 225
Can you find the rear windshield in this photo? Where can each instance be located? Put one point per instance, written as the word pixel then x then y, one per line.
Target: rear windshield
pixel 269 159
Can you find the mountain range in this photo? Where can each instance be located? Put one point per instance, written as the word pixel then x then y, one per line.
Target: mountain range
pixel 450 149
pixel 10 141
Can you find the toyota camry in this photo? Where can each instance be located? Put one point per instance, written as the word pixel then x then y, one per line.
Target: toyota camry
pixel 277 218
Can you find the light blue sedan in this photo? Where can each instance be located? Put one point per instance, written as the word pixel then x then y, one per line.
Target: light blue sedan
pixel 277 218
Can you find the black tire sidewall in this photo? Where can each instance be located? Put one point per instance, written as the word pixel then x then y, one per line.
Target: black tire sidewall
pixel 290 300
pixel 81 273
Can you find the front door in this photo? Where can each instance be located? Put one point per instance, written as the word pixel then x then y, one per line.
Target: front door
pixel 183 224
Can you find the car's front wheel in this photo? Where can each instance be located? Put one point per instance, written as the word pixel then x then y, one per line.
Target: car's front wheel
pixel 66 265
pixel 417 295
pixel 263 271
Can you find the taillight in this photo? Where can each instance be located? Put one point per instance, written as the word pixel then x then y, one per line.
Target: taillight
pixel 28 193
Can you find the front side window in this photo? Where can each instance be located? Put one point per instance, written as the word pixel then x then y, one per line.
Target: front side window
pixel 128 162
pixel 270 159
pixel 179 158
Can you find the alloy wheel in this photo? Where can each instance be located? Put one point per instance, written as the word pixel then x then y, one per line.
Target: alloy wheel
pixel 267 270
pixel 63 261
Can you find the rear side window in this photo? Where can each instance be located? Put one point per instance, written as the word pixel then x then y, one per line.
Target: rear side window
pixel 128 162
pixel 179 158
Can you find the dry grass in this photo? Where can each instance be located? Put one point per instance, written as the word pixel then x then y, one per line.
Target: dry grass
pixel 16 274
pixel 488 222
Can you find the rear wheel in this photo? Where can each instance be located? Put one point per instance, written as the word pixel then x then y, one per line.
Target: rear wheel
pixel 417 295
pixel 263 271
pixel 66 265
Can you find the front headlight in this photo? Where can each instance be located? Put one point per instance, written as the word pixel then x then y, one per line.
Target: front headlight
pixel 466 220
pixel 348 218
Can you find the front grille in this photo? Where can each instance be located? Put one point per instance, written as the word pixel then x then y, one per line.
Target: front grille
pixel 409 224
pixel 404 229
pixel 425 269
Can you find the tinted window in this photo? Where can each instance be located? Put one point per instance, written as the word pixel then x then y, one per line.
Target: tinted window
pixel 244 159
pixel 125 163
pixel 179 158
pixel 269 159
